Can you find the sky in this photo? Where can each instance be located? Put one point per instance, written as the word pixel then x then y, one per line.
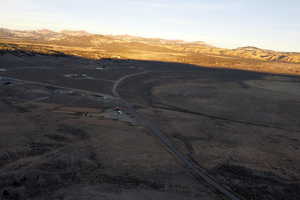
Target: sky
pixel 269 24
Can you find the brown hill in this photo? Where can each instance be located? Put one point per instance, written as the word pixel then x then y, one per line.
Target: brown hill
pixel 85 39
pixel 95 46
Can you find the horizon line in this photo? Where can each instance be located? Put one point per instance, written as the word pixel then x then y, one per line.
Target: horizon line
pixel 146 37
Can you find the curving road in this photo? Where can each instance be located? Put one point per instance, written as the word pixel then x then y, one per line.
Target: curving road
pixel 154 130
pixel 118 82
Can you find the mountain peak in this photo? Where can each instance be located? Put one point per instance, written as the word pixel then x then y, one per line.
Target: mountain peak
pixel 75 33
pixel 249 48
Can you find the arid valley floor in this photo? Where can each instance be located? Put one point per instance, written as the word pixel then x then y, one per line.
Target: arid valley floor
pixel 61 137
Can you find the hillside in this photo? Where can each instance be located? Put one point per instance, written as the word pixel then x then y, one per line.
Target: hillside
pixel 95 46
pixel 83 38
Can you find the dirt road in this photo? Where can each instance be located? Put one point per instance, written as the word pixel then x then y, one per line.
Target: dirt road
pixel 154 130
pixel 118 82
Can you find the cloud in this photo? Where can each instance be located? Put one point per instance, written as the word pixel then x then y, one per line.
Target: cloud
pixel 192 4
pixel 150 3
pixel 177 21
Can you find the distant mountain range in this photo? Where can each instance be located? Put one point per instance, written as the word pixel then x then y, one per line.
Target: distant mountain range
pixel 121 42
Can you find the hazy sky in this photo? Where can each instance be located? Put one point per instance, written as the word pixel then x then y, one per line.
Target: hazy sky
pixel 273 24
